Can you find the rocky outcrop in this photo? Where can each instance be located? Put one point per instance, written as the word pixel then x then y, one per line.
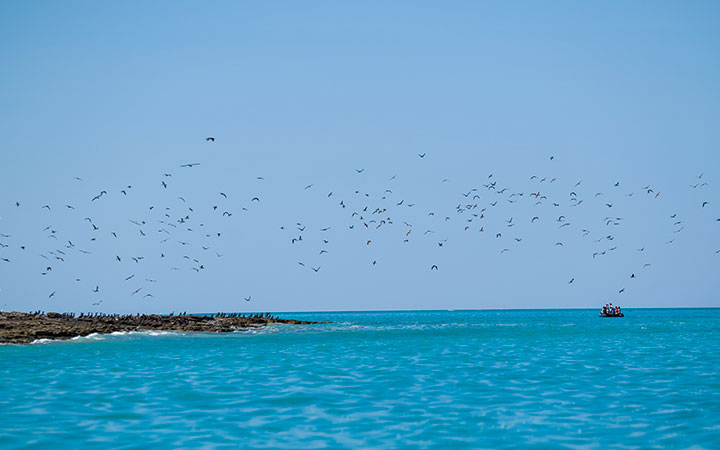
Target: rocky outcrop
pixel 24 328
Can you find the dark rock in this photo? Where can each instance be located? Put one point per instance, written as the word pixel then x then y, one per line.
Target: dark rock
pixel 23 328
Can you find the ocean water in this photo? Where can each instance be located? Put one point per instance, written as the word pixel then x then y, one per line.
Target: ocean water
pixel 420 379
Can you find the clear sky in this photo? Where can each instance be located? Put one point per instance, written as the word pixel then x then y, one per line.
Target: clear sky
pixel 307 93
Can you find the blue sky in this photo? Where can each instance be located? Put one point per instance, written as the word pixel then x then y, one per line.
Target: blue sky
pixel 306 93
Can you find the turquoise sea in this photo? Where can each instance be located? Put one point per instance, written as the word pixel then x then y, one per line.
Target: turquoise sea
pixel 417 379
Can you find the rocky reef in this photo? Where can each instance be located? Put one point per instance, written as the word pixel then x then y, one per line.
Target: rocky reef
pixel 24 328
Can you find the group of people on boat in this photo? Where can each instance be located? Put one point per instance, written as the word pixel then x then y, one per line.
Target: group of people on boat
pixel 610 310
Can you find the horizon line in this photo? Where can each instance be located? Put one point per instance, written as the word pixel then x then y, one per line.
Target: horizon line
pixel 379 310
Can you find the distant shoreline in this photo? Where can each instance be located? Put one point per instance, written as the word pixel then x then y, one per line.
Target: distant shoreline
pixel 25 328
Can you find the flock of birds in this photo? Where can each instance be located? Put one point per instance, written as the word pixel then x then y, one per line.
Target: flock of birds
pixel 178 232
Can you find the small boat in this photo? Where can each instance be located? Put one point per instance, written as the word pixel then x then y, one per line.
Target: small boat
pixel 612 315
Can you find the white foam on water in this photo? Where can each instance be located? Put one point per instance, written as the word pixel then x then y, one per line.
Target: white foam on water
pixel 155 332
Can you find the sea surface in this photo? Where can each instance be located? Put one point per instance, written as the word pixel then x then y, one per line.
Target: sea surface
pixel 415 379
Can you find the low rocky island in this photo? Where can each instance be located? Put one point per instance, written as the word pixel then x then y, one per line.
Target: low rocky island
pixel 24 328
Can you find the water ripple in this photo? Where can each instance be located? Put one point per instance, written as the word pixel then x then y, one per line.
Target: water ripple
pixel 377 380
